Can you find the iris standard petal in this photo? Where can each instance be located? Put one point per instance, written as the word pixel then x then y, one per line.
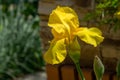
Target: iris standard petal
pixel 91 36
pixel 56 52
pixel 63 20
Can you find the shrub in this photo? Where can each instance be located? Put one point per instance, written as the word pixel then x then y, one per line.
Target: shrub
pixel 19 44
pixel 105 13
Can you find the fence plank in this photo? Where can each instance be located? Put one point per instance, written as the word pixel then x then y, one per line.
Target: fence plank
pixel 53 72
pixel 87 74
pixel 106 76
pixel 68 73
pixel 114 77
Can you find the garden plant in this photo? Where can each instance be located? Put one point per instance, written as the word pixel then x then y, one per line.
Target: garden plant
pixel 20 51
pixel 67 33
pixel 106 12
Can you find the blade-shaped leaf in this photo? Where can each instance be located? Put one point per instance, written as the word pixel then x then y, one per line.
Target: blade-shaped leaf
pixel 118 69
pixel 98 68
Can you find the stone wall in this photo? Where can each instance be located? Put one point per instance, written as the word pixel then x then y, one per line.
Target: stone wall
pixel 108 51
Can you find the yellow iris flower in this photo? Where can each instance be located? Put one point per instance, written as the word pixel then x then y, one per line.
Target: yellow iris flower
pixel 65 28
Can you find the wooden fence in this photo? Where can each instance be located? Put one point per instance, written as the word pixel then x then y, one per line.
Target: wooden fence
pixel 68 72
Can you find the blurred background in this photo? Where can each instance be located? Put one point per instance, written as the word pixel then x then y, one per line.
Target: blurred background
pixel 23 39
pixel 20 51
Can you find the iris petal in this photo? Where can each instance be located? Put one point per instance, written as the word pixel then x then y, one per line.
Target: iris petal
pixel 57 35
pixel 91 36
pixel 56 53
pixel 63 20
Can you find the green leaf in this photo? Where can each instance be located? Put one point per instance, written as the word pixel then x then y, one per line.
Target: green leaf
pixel 118 69
pixel 1 27
pixel 74 50
pixel 98 68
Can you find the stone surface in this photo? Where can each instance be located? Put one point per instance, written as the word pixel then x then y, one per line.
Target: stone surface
pixel 110 33
pixel 109 51
pixel 37 76
pixel 88 53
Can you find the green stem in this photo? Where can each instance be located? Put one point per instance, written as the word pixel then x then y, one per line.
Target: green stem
pixel 99 78
pixel 79 71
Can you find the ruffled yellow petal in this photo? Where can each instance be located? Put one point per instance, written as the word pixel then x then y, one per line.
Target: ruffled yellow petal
pixel 91 36
pixel 57 35
pixel 63 20
pixel 56 53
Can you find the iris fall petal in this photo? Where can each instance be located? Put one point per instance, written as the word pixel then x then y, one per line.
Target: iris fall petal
pixel 91 36
pixel 56 53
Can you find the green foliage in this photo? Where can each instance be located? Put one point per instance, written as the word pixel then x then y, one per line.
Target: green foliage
pixel 118 69
pixel 30 6
pixel 98 68
pixel 104 13
pixel 20 51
